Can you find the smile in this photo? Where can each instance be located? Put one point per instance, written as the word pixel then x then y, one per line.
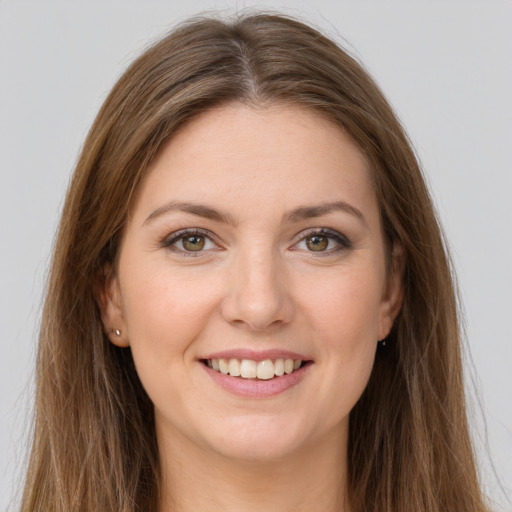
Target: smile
pixel 250 369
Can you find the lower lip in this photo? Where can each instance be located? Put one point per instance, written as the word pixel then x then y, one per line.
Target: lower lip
pixel 256 388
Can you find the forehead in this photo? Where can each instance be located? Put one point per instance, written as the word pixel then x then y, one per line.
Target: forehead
pixel 278 154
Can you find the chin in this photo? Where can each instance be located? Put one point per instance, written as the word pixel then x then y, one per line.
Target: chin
pixel 257 451
pixel 259 439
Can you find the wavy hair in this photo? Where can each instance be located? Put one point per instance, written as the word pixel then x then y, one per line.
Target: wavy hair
pixel 94 444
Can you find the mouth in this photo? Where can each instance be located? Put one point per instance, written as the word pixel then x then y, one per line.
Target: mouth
pixel 266 369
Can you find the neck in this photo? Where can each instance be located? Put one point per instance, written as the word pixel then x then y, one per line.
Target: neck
pixel 195 479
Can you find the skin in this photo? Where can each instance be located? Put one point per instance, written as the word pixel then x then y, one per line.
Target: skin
pixel 256 284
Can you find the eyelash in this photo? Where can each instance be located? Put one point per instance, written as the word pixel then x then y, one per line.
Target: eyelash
pixel 342 241
pixel 169 242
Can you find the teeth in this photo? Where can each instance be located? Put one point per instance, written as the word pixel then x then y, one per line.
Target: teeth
pixel 234 367
pixel 249 369
pixel 265 369
pixel 223 366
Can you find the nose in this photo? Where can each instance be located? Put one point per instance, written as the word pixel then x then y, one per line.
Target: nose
pixel 258 293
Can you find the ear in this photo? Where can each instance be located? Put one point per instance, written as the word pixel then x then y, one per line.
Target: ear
pixel 108 296
pixel 392 298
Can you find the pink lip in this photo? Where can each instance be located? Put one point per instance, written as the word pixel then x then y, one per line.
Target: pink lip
pixel 254 388
pixel 256 355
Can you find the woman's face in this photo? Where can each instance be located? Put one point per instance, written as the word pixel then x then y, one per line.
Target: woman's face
pixel 255 242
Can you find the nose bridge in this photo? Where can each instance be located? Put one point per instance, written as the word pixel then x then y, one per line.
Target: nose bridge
pixel 258 291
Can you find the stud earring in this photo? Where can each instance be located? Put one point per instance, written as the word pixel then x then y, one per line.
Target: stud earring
pixel 118 332
pixel 381 343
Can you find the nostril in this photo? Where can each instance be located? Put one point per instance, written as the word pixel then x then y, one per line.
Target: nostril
pixel 257 301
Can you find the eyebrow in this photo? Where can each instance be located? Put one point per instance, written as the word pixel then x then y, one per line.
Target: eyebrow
pixel 296 215
pixel 201 210
pixel 310 212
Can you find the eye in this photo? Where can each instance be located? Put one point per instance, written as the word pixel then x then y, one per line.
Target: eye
pixel 189 241
pixel 323 241
pixel 317 242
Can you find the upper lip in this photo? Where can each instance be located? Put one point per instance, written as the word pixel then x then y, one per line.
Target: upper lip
pixel 256 355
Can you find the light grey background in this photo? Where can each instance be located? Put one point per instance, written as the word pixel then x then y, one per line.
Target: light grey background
pixel 446 66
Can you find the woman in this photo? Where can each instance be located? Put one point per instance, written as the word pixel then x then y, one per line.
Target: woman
pixel 250 304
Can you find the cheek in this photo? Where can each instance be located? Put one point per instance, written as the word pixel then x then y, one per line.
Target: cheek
pixel 160 298
pixel 164 314
pixel 344 315
pixel 345 306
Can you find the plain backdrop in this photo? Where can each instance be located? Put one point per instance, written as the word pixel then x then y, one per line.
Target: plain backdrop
pixel 445 66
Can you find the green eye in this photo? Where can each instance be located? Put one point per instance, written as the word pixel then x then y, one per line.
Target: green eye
pixel 193 242
pixel 323 241
pixel 190 242
pixel 317 243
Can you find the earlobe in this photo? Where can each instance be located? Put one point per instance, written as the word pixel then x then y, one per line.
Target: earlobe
pixel 393 293
pixel 108 296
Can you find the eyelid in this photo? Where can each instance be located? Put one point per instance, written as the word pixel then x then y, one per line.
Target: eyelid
pixel 173 237
pixel 343 241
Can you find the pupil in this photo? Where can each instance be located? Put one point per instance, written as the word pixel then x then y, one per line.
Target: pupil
pixel 193 243
pixel 317 243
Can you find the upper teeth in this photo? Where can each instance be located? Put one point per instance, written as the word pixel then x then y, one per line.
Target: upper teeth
pixel 249 369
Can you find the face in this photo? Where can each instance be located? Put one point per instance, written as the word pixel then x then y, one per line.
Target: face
pixel 254 246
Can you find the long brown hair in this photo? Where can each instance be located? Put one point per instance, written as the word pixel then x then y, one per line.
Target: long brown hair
pixel 94 443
